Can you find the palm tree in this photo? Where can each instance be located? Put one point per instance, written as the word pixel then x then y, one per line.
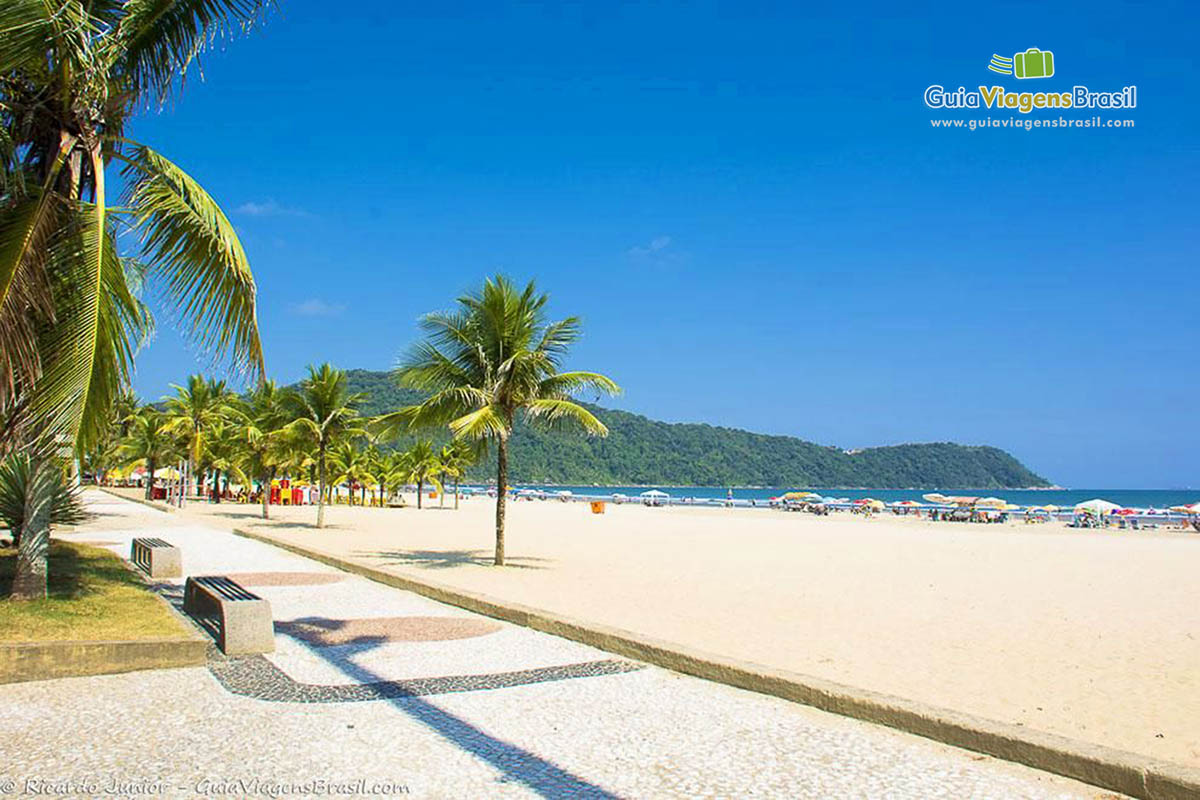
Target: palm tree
pixel 350 464
pixel 323 411
pixel 265 448
pixel 456 458
pixel 19 475
pixel 423 466
pixel 394 472
pixel 376 472
pixel 493 357
pixel 193 410
pixel 147 443
pixel 225 451
pixel 72 75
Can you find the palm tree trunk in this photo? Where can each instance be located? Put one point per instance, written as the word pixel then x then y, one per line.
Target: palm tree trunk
pixel 501 493
pixel 217 485
pixel 266 493
pixel 33 547
pixel 420 488
pixel 150 479
pixel 442 493
pixel 350 493
pixel 321 486
pixel 456 493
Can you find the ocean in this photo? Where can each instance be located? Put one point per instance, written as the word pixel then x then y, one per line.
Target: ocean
pixel 1136 498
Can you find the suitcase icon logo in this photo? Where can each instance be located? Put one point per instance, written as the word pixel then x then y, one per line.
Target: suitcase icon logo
pixel 1033 63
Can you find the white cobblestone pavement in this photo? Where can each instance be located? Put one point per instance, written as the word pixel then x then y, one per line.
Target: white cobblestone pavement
pixel 641 733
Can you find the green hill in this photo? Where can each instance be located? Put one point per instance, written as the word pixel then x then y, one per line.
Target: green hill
pixel 642 451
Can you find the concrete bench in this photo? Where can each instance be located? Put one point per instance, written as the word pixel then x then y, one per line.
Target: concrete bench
pixel 241 619
pixel 157 557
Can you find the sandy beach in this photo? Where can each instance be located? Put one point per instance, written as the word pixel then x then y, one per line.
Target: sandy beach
pixel 1093 635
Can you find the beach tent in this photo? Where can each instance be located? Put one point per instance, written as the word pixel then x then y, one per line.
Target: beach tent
pixel 1097 506
pixel 654 497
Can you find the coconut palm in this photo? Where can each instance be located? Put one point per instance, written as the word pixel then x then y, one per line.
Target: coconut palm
pixel 147 443
pixel 456 457
pixel 323 411
pixel 492 358
pixel 376 472
pixel 422 464
pixel 192 413
pixel 351 466
pixel 72 74
pixel 394 473
pixel 224 454
pixel 265 447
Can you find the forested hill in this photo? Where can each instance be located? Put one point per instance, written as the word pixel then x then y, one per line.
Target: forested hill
pixel 641 451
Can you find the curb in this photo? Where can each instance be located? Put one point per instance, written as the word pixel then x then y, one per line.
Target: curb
pixel 155 504
pixel 1106 767
pixel 39 661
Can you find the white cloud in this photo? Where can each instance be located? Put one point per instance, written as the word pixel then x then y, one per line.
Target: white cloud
pixel 655 245
pixel 270 208
pixel 316 307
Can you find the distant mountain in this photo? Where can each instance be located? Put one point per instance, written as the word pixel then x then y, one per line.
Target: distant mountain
pixel 642 451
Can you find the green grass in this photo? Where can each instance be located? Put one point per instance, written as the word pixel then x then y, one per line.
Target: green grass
pixel 92 596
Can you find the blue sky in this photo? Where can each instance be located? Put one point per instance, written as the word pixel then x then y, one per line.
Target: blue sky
pixel 745 202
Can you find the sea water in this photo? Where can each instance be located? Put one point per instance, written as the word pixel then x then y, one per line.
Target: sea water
pixel 1135 498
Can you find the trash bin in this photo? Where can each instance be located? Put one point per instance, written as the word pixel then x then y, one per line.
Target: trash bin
pixel 597 506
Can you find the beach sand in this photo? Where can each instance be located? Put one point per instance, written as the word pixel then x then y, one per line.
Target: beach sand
pixel 1093 635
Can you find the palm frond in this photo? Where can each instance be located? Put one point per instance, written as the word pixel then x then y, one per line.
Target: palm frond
pixel 191 245
pixel 486 422
pixel 161 39
pixel 32 29
pixel 565 384
pixel 73 348
pixel 557 413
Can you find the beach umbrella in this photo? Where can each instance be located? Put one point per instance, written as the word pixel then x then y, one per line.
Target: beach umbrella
pixel 906 504
pixel 654 493
pixel 1097 506
pixel 938 499
pixel 963 501
pixel 991 502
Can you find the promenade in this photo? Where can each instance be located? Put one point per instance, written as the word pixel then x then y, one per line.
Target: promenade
pixel 375 688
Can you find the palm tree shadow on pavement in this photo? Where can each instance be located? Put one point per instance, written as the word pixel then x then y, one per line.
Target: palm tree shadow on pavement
pixel 448 559
pixel 515 764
